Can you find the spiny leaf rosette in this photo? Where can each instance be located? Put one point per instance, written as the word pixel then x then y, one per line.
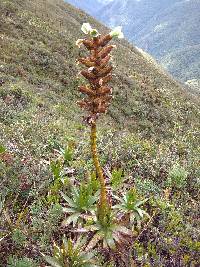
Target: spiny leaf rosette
pixel 97 93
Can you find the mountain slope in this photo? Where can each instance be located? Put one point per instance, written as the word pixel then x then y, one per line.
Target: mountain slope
pixel 37 68
pixel 29 59
pixel 168 30
pixel 152 124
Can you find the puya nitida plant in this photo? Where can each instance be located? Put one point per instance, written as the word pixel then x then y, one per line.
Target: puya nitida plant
pixel 71 253
pixel 98 94
pixel 131 205
pixel 80 204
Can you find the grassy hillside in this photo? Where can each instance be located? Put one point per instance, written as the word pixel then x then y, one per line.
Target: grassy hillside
pixel 152 127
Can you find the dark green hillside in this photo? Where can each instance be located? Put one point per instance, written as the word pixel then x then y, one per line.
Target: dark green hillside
pixel 151 128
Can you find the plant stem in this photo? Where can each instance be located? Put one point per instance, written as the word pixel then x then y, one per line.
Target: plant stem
pixel 103 204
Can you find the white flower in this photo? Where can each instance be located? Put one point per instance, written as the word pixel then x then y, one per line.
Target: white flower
pixel 91 69
pixel 86 28
pixel 117 32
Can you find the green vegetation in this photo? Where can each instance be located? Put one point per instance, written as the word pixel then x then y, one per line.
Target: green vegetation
pixel 71 254
pixel 148 145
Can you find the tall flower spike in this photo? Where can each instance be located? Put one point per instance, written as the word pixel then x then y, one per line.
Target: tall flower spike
pixel 98 94
pixel 99 69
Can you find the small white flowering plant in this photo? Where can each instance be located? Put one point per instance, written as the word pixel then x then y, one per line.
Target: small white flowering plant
pixel 115 33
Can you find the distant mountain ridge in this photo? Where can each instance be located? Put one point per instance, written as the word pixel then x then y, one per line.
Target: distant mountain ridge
pixel 168 30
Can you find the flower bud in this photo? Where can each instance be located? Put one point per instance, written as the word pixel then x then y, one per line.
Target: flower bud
pixel 88 44
pixel 103 72
pixel 86 61
pixel 86 90
pixel 88 75
pixel 105 79
pixel 105 51
pixel 104 90
pixel 104 61
pixel 103 41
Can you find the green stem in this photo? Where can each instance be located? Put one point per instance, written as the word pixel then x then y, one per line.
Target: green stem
pixel 103 203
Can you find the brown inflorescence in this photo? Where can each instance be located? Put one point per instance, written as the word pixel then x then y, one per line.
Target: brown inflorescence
pixel 99 73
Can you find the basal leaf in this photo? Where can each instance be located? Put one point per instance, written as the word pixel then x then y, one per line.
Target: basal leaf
pixel 53 262
pixel 69 200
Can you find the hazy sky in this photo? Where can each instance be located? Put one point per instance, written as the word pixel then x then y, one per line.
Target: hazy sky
pixel 105 1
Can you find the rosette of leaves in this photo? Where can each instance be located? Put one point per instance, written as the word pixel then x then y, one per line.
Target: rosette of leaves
pixel 71 254
pixel 81 203
pixel 132 207
pixel 109 234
